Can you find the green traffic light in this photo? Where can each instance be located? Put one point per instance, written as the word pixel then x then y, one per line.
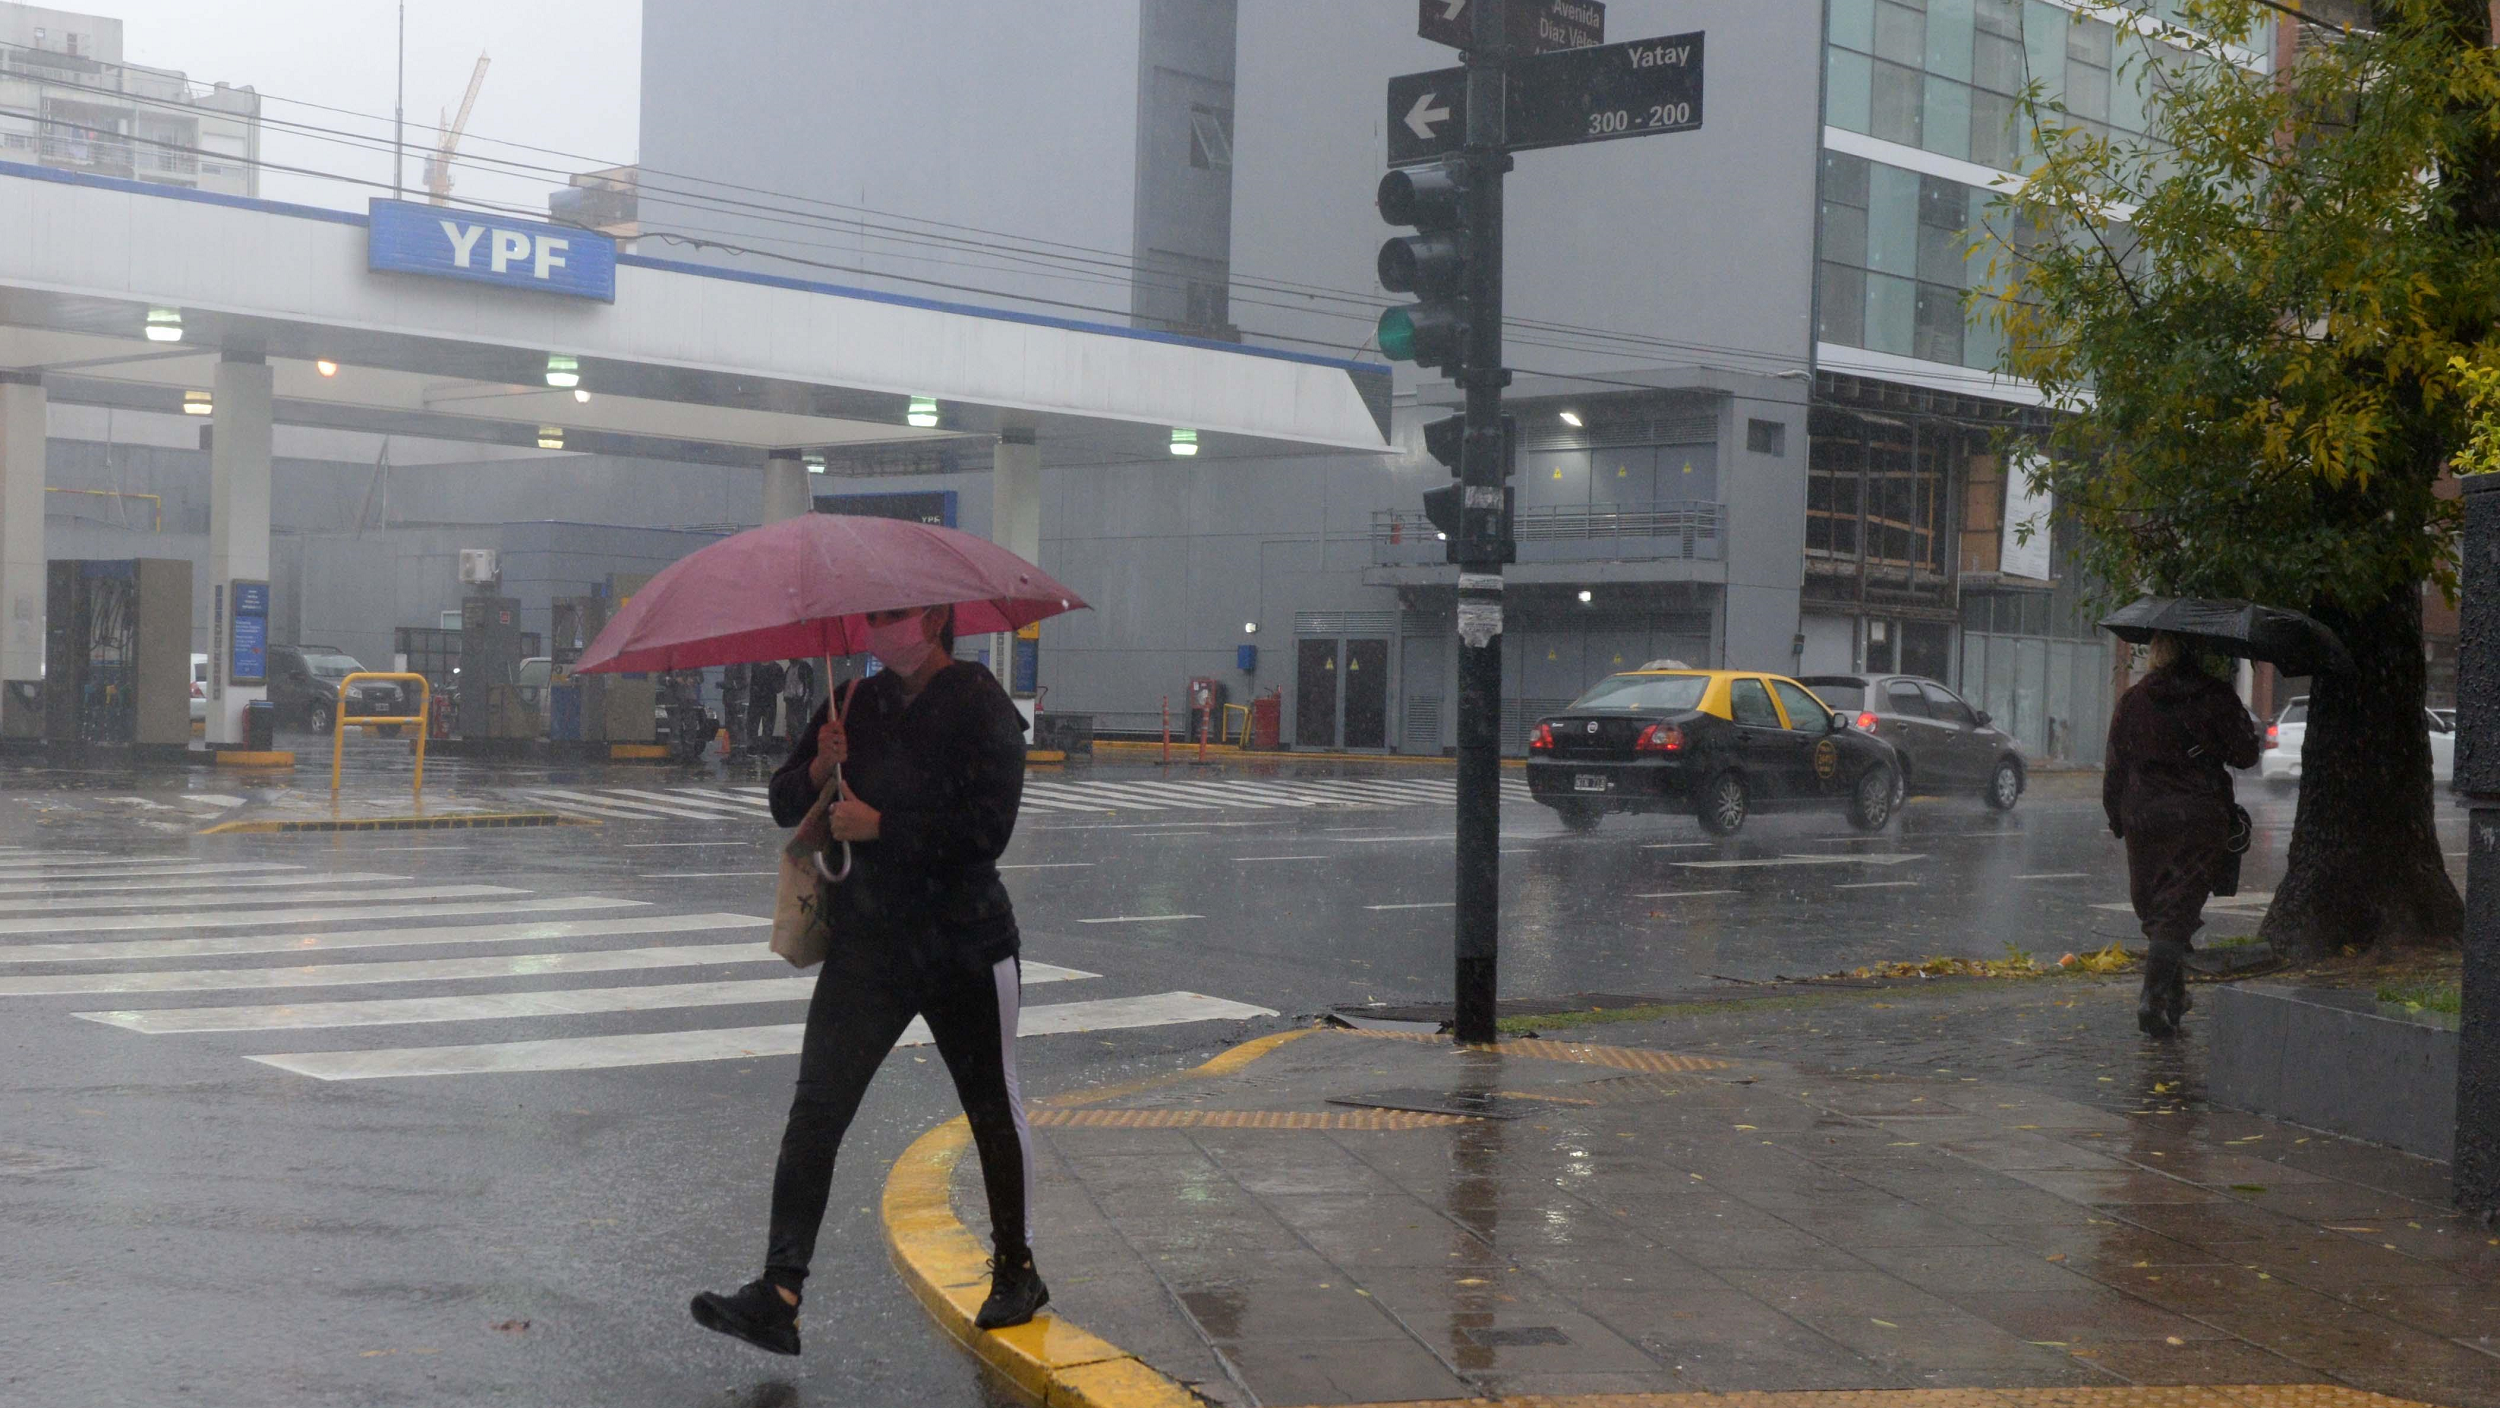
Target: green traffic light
pixel 1397 335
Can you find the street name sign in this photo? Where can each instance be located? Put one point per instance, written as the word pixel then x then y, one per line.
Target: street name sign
pixel 405 237
pixel 1536 26
pixel 1644 88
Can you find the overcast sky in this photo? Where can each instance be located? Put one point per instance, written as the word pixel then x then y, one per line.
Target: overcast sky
pixel 565 76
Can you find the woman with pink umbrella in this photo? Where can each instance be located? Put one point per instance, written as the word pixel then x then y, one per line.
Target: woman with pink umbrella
pixel 925 760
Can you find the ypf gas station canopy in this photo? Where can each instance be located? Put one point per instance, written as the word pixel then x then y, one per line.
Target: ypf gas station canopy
pixel 457 324
pixel 443 322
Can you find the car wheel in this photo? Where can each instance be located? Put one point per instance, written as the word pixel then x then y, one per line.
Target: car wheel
pixel 1871 800
pixel 2005 785
pixel 317 717
pixel 1724 802
pixel 1579 816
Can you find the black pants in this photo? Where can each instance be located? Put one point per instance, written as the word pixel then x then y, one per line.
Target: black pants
pixel 2172 853
pixel 865 997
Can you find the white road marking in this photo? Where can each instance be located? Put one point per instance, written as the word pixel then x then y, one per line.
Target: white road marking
pixel 134 865
pixel 1877 885
pixel 1193 795
pixel 664 845
pixel 742 807
pixel 1683 894
pixel 218 798
pixel 1051 865
pixel 178 887
pixel 2057 875
pixel 590 809
pixel 642 811
pixel 707 874
pixel 252 918
pixel 1141 919
pixel 1796 860
pixel 77 904
pixel 125 950
pixel 1427 904
pixel 416 848
pixel 728 1043
pixel 1681 846
pixel 479 1007
pixel 1255 860
pixel 1147 792
pixel 1152 825
pixel 1393 840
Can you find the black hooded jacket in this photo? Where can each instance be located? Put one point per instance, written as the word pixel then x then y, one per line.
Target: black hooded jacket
pixel 946 774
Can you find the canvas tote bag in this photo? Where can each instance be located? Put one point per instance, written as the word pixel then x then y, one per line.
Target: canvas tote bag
pixel 802 927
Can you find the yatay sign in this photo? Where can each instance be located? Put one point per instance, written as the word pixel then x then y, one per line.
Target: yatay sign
pixel 403 237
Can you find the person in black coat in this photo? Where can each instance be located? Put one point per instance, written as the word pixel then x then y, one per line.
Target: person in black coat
pixel 764 680
pixel 931 754
pixel 2166 790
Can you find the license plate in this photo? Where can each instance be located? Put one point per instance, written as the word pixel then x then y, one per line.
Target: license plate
pixel 1588 782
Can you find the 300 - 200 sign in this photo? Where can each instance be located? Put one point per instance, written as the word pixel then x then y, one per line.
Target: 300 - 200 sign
pixel 1607 124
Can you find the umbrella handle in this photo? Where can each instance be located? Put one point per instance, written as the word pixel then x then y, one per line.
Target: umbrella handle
pixel 841 789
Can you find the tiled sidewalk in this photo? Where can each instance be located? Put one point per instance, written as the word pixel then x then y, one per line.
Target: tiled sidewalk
pixel 1614 1221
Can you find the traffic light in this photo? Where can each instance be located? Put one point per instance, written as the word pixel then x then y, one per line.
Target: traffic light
pixel 1486 530
pixel 1431 263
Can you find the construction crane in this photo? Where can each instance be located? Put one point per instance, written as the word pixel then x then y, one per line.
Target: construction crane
pixel 438 166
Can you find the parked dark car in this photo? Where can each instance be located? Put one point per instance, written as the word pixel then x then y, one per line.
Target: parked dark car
pixel 1717 745
pixel 1947 747
pixel 304 684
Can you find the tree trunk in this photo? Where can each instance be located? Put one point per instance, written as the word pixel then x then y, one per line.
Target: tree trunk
pixel 2365 865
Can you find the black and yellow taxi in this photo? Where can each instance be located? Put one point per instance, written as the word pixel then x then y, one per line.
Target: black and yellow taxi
pixel 1717 744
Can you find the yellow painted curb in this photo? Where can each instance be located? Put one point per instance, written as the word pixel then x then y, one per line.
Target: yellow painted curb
pixel 2114 1396
pixel 453 822
pixel 236 758
pixel 1045 755
pixel 636 752
pixel 1055 1363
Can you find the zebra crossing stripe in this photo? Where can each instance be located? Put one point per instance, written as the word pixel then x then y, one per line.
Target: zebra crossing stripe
pixel 478 1007
pixel 80 869
pixel 178 887
pixel 252 918
pixel 1185 794
pixel 643 811
pixel 1258 794
pixel 742 807
pixel 727 1043
pixel 72 904
pixel 1089 800
pixel 126 950
pixel 574 808
pixel 436 970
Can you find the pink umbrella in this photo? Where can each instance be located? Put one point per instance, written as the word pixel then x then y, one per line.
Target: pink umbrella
pixel 799 589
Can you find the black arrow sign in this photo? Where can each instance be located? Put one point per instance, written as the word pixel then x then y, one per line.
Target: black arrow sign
pixel 1644 88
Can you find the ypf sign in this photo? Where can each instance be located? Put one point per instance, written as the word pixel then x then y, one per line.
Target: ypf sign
pixel 404 237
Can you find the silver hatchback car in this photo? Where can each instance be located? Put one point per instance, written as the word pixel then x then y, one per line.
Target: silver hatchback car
pixel 1946 746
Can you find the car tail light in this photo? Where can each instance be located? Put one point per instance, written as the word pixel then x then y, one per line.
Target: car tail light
pixel 2274 735
pixel 1659 738
pixel 1866 723
pixel 1541 738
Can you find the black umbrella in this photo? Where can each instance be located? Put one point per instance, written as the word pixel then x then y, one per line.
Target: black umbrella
pixel 2287 640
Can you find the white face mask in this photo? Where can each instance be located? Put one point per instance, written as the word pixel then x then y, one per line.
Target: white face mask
pixel 901 646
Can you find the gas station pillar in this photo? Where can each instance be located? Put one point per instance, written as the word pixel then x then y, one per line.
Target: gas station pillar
pixel 1016 525
pixel 22 619
pixel 238 538
pixel 786 491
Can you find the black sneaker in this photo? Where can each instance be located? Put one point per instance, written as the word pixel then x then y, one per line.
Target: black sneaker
pixel 756 1313
pixel 1016 1292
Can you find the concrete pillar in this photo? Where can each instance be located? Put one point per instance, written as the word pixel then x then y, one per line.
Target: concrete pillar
pixel 21 545
pixel 1016 525
pixel 787 493
pixel 238 525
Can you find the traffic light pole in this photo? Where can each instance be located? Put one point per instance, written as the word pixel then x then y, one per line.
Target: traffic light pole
pixel 1483 472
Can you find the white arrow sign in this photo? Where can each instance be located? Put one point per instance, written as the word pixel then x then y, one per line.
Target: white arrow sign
pixel 1423 117
pixel 1450 8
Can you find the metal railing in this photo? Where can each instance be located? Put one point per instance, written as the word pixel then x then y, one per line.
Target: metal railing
pixel 1669 530
pixel 339 724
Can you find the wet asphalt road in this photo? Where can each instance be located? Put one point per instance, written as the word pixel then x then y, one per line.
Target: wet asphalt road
pixel 187 1224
